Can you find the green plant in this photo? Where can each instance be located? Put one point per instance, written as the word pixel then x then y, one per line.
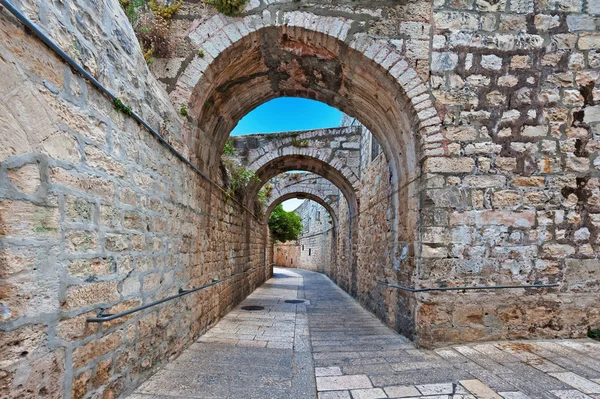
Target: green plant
pixel 201 53
pixel 148 56
pixel 131 8
pixel 268 189
pixel 299 143
pixel 208 103
pixel 165 12
pixel 150 21
pixel 152 32
pixel 239 178
pixel 284 226
pixel 121 107
pixel 261 198
pixel 183 110
pixel 594 333
pixel 231 8
pixel 229 149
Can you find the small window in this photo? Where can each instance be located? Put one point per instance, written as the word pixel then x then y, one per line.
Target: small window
pixel 303 247
pixel 375 148
pixel 318 216
pixel 309 251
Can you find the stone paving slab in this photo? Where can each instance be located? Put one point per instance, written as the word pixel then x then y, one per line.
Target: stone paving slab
pixel 331 348
pixel 509 370
pixel 248 354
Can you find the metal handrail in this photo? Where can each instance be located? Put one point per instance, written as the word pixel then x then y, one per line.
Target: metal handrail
pixel 73 64
pixel 472 287
pixel 102 317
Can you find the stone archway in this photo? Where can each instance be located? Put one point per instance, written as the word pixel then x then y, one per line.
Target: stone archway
pixel 348 234
pixel 248 61
pixel 315 165
pixel 313 196
pixel 327 238
pixel 311 184
pixel 338 147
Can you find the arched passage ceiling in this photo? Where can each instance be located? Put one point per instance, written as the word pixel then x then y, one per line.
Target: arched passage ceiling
pixel 310 164
pixel 339 147
pixel 303 185
pixel 248 63
pixel 313 196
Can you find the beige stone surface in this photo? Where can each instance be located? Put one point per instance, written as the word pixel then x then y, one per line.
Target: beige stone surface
pixel 343 382
pixel 479 389
pixel 26 178
pixel 489 175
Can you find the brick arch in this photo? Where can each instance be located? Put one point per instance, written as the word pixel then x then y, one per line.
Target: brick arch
pixel 378 86
pixel 303 192
pixel 324 156
pixel 306 163
pixel 249 61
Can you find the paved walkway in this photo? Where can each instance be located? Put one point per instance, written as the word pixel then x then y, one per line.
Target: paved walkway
pixel 331 347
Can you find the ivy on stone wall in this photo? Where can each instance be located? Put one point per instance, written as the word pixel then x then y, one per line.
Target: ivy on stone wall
pixel 300 143
pixel 121 107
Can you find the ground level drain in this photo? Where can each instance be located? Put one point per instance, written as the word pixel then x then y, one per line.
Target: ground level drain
pixel 294 301
pixel 253 307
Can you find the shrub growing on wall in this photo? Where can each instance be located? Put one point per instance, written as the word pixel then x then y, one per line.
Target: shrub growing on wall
pixel 229 148
pixel 239 178
pixel 285 226
pixel 151 21
pixel 230 8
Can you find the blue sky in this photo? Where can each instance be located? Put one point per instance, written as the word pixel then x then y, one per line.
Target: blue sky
pixel 285 114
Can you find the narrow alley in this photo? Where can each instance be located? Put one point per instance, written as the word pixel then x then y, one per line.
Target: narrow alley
pixel 272 346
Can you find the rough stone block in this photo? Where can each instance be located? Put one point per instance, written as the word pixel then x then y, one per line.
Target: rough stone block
pixel 79 296
pixel 449 165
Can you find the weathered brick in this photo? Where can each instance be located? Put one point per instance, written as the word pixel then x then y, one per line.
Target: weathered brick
pixel 79 296
pixel 449 165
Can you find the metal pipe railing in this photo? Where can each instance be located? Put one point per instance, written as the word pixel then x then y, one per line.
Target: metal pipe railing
pixel 472 287
pixel 73 64
pixel 102 317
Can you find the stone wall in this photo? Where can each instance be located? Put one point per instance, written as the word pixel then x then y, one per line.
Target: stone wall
pixel 95 214
pixel 487 113
pixel 287 254
pixel 518 87
pixel 315 248
pixel 302 185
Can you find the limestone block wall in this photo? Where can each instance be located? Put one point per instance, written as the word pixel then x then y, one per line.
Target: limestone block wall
pixel 316 240
pixel 97 214
pixel 315 248
pixel 379 254
pixel 516 201
pixel 287 254
pixel 487 112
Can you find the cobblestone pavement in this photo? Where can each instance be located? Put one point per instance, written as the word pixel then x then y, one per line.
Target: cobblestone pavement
pixel 349 353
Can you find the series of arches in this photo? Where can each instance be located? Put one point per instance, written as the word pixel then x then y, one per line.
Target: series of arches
pixel 249 61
